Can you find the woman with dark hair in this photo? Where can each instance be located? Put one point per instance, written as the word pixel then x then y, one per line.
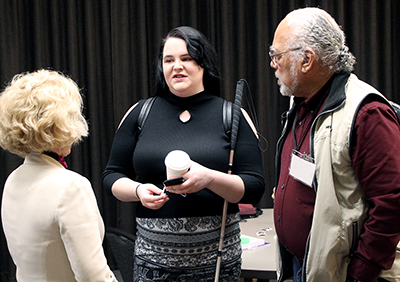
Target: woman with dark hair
pixel 178 231
pixel 201 51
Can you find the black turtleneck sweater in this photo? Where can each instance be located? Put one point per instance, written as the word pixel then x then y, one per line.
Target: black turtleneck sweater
pixel 203 137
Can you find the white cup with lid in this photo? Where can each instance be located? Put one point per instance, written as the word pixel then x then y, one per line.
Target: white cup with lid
pixel 177 163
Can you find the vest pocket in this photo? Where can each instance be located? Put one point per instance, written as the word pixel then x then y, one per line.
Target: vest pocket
pixel 354 241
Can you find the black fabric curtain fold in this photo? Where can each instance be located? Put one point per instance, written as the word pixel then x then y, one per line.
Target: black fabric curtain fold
pixel 109 48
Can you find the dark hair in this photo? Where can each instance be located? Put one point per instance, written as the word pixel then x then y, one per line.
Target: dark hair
pixel 201 50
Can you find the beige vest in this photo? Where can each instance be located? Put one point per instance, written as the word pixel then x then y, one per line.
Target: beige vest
pixel 340 210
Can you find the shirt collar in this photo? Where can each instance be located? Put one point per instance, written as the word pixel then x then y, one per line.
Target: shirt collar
pixel 314 102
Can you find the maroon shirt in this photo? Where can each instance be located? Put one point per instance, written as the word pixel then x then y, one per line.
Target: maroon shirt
pixel 376 161
pixel 294 201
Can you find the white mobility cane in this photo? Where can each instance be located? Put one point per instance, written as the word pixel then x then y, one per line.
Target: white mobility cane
pixel 235 126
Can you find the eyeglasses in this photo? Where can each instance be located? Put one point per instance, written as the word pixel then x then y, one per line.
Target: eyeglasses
pixel 273 57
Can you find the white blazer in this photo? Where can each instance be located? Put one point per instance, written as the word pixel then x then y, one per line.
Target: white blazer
pixel 52 223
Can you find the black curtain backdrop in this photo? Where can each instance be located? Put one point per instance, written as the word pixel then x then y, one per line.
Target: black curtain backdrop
pixel 109 48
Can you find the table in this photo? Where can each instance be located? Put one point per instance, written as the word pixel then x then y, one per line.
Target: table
pixel 259 262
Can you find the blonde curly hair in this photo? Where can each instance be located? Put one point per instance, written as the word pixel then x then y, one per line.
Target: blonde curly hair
pixel 41 111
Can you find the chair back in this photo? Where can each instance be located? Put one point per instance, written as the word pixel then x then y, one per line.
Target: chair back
pixel 122 246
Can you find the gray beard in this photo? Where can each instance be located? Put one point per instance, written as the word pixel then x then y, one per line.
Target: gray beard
pixel 289 91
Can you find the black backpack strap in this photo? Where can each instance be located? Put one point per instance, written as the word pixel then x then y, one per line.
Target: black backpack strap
pixel 144 112
pixel 396 108
pixel 227 109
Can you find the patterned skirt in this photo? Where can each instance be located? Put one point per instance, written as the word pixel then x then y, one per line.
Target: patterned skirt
pixel 186 249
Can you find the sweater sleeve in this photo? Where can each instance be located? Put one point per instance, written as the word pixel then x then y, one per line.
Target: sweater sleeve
pixel 377 165
pixel 120 160
pixel 247 163
pixel 82 230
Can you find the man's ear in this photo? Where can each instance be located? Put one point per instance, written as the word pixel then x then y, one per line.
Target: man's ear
pixel 309 60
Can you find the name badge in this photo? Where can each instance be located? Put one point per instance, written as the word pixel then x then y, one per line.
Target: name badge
pixel 302 168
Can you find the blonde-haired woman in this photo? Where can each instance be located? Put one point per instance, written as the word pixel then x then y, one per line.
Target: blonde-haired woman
pixel 50 216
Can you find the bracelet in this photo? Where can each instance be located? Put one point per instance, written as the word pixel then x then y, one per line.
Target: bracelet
pixel 137 189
